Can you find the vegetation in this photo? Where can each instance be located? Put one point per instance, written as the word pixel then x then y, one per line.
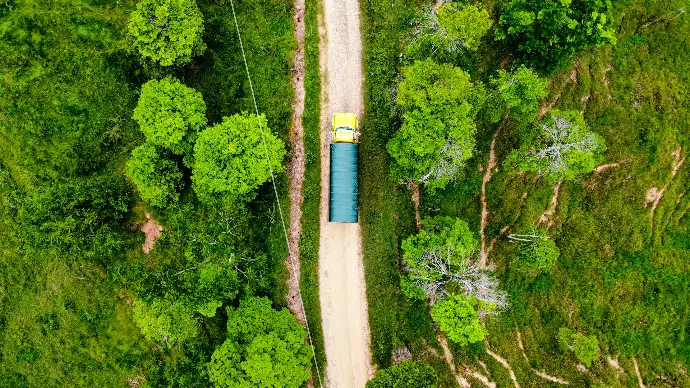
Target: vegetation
pixel 548 33
pixel 611 266
pixel 230 158
pixel 437 135
pixel 156 176
pixel 586 348
pixel 561 149
pixel 458 317
pixel 170 115
pixel 167 31
pixel 407 374
pixel 264 348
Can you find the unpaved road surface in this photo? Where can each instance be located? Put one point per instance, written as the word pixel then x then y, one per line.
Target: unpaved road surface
pixel 341 272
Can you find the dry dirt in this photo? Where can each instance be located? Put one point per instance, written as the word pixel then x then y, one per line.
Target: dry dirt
pixel 503 362
pixel 341 271
pixel 637 372
pixel 296 167
pixel 152 230
pixel 546 216
pixel 448 356
pixel 490 165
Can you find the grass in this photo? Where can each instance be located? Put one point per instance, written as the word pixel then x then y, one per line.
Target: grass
pixel 311 189
pixel 620 275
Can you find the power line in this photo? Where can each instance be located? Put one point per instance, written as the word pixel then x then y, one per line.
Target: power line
pixel 275 191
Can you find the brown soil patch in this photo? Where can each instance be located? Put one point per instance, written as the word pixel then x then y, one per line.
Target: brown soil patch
pixel 416 196
pixel 546 216
pixel 296 168
pixel 637 372
pixel 152 230
pixel 654 195
pixel 491 164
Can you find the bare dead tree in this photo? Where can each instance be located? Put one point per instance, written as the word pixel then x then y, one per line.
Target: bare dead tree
pixel 438 275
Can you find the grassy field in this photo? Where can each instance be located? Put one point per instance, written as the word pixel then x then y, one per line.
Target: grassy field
pixel 311 191
pixel 621 275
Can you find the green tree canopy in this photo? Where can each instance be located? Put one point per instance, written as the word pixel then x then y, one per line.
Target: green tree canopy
pixel 407 374
pixel 517 94
pixel 170 114
pixel 438 262
pixel 157 178
pixel 167 31
pixel 536 253
pixel 230 158
pixel 438 133
pixel 264 348
pixel 463 25
pixel 166 321
pixel 561 147
pixel 549 32
pixel 458 317
pixel 585 348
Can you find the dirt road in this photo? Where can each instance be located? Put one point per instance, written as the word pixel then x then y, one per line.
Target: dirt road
pixel 341 272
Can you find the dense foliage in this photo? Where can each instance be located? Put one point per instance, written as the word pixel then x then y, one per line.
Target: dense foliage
pixel 516 94
pixel 438 132
pixel 561 147
pixel 407 374
pixel 157 177
pixel 264 348
pixel 458 317
pixel 586 348
pixel 231 159
pixel 549 32
pixel 170 114
pixel 167 31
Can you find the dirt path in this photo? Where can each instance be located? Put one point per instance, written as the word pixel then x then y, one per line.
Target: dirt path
pixel 448 356
pixel 637 372
pixel 503 362
pixel 548 213
pixel 539 373
pixel 341 272
pixel 296 166
pixel 490 165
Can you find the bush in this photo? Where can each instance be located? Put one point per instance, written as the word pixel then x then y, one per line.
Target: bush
pixel 157 178
pixel 167 31
pixel 407 374
pixel 458 317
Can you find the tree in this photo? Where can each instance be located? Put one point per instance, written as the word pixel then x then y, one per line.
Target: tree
pixel 549 32
pixel 170 322
pixel 586 348
pixel 437 135
pixel 170 114
pixel 453 29
pixel 561 149
pixel 167 31
pixel 536 252
pixel 463 25
pixel 407 374
pixel 264 348
pixel 517 94
pixel 458 317
pixel 230 158
pixel 157 178
pixel 438 261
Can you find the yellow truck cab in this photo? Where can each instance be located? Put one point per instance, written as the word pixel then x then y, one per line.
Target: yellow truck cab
pixel 345 128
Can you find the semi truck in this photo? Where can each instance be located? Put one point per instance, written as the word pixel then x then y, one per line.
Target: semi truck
pixel 344 179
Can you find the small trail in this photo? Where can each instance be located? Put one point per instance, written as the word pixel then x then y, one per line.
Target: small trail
pixel 548 213
pixel 545 106
pixel 614 363
pixel 416 198
pixel 503 362
pixel 490 165
pixel 654 195
pixel 637 372
pixel 451 363
pixel 296 166
pixel 539 373
pixel 152 230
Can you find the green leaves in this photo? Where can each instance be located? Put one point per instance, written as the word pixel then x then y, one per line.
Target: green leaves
pixel 464 24
pixel 264 348
pixel 437 135
pixel 458 317
pixel 157 178
pixel 517 94
pixel 170 114
pixel 169 322
pixel 561 149
pixel 230 158
pixel 586 348
pixel 549 32
pixel 407 374
pixel 167 31
pixel 537 253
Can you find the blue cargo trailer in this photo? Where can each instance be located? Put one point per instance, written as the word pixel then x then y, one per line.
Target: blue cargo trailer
pixel 344 180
